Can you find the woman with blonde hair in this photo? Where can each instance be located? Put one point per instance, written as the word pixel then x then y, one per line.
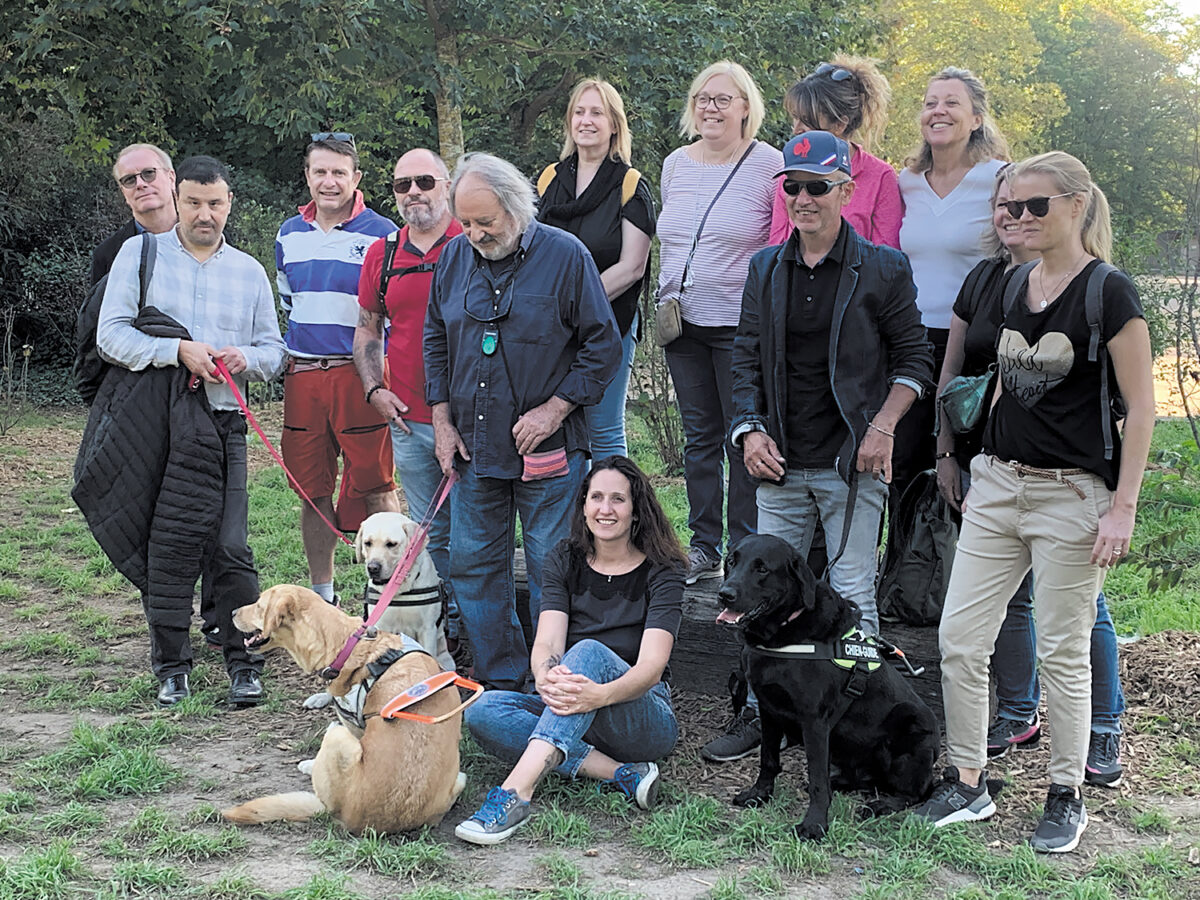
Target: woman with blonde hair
pixel 593 192
pixel 848 97
pixel 717 193
pixel 1054 490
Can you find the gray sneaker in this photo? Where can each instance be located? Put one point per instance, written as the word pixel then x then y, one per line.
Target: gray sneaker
pixel 502 813
pixel 1063 821
pixel 953 801
pixel 742 736
pixel 1104 760
pixel 701 565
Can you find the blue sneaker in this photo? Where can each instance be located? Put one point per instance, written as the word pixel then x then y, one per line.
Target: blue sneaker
pixel 639 782
pixel 502 813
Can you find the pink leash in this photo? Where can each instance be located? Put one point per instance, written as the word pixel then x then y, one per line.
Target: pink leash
pixel 224 371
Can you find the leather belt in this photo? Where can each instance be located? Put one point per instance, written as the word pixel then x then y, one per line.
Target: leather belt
pixel 1059 475
pixel 298 364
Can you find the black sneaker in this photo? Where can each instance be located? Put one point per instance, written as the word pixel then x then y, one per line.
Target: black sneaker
pixel 1004 734
pixel 1104 760
pixel 700 565
pixel 742 736
pixel 638 782
pixel 953 801
pixel 1063 821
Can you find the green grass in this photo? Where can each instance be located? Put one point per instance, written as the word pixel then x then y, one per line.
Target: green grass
pixel 419 856
pixel 45 874
pixel 102 763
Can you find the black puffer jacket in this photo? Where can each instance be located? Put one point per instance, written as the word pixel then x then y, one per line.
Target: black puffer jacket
pixel 149 475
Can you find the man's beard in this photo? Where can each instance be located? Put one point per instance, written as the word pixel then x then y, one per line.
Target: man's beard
pixel 423 217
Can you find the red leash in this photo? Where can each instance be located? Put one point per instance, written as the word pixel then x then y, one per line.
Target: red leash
pixel 224 371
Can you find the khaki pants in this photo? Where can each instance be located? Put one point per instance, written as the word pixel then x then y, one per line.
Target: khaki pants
pixel 1012 523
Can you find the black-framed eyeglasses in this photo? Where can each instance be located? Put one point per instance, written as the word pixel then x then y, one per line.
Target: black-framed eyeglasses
pixel 343 136
pixel 814 188
pixel 720 101
pixel 1038 206
pixel 423 182
pixel 147 175
pixel 835 73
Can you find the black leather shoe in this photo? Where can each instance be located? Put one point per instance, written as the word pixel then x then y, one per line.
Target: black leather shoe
pixel 245 689
pixel 173 689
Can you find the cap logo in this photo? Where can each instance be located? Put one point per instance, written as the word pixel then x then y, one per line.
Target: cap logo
pixel 829 160
pixel 802 148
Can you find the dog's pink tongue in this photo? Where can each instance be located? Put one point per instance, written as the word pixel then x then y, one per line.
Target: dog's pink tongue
pixel 728 616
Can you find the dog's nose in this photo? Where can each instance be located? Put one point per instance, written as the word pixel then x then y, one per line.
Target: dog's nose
pixel 725 595
pixel 373 569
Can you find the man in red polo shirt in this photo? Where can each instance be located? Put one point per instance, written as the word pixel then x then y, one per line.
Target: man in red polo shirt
pixel 421 184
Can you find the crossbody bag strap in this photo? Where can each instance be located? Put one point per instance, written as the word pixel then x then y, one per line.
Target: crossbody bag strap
pixel 684 279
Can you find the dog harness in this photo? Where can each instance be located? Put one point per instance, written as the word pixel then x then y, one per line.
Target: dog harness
pixel 413 597
pixel 858 653
pixel 349 707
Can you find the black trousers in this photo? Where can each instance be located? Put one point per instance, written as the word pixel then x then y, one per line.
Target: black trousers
pixel 229 574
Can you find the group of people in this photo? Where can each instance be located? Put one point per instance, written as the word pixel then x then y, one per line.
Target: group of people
pixel 819 297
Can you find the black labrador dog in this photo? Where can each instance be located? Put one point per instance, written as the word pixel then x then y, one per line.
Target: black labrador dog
pixel 865 719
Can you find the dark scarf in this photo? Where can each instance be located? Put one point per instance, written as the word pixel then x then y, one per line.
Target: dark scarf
pixel 607 179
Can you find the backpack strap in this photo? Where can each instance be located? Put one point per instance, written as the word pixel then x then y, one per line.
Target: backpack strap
pixel 146 266
pixel 546 177
pixel 389 256
pixel 1094 308
pixel 1018 280
pixel 629 184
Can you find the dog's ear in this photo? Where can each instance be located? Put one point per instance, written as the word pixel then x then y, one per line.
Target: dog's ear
pixel 358 544
pixel 281 606
pixel 806 582
pixel 410 531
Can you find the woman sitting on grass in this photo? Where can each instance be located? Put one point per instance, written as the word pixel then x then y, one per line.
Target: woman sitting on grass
pixel 612 596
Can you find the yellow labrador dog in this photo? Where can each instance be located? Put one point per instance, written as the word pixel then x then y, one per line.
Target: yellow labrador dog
pixel 391 775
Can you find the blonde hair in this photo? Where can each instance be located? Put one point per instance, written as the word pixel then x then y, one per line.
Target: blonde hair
pixel 993 247
pixel 986 141
pixel 746 87
pixel 620 145
pixel 1070 175
pixel 860 102
pixel 133 148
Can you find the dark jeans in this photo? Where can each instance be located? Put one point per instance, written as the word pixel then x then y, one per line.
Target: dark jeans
pixel 700 361
pixel 229 570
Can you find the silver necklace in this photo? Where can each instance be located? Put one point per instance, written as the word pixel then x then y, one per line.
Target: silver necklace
pixel 1046 298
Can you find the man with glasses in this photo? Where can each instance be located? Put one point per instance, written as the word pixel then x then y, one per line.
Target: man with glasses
pixel 318 259
pixel 830 353
pixel 394 289
pixel 147 181
pixel 519 336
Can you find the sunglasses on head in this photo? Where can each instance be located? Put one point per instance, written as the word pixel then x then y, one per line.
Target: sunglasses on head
pixel 836 73
pixel 147 175
pixel 1038 206
pixel 814 188
pixel 423 182
pixel 345 136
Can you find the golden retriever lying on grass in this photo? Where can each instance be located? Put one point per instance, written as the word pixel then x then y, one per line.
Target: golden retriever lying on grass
pixel 394 775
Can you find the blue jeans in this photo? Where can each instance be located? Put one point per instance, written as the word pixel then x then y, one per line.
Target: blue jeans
pixel 483 521
pixel 639 730
pixel 701 364
pixel 606 420
pixel 420 476
pixel 791 510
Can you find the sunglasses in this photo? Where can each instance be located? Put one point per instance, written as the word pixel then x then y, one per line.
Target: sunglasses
pixel 1038 206
pixel 345 136
pixel 423 182
pixel 836 73
pixel 814 188
pixel 147 175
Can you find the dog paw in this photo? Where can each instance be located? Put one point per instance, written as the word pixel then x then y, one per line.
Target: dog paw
pixel 318 701
pixel 753 796
pixel 306 766
pixel 810 831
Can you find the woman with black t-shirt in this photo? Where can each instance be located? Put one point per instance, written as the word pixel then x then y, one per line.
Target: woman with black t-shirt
pixel 593 193
pixel 612 598
pixel 1045 493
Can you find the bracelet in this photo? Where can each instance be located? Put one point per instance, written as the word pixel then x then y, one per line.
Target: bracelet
pixel 946 455
pixel 890 434
pixel 377 387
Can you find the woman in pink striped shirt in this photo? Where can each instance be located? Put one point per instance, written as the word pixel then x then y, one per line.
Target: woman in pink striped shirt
pixel 849 98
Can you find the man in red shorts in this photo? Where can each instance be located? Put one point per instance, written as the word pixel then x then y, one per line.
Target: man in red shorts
pixel 318 258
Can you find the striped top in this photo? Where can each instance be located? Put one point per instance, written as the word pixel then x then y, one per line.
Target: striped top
pixel 317 275
pixel 737 228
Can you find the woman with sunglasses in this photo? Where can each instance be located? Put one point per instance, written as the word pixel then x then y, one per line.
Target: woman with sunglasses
pixel 593 193
pixel 971 350
pixel 946 187
pixel 848 98
pixel 1055 488
pixel 717 194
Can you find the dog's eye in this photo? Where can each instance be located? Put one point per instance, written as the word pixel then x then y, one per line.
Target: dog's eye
pixel 391 545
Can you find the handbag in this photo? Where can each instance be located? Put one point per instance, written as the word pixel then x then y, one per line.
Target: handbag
pixel 668 314
pixel 964 398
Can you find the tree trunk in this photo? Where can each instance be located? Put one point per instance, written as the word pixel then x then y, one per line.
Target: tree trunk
pixel 450 133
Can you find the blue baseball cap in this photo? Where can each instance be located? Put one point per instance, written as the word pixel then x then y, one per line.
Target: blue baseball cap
pixel 818 152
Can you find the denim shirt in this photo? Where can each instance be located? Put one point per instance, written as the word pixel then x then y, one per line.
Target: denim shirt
pixel 556 337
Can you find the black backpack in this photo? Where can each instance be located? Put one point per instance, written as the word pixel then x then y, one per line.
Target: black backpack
pixel 920 551
pixel 388 271
pixel 1111 403
pixel 89 368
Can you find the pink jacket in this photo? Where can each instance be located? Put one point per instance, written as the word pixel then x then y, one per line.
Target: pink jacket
pixel 875 210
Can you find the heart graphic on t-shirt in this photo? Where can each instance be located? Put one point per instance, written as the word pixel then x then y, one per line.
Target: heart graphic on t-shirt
pixel 1029 372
